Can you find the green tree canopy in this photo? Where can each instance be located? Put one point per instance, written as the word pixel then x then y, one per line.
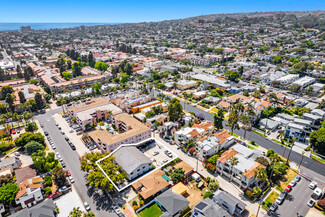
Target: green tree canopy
pixel 178 175
pixel 175 110
pixel 96 177
pixel 101 66
pixel 33 147
pixel 66 75
pixel 27 137
pixel 43 162
pixel 8 193
pixel 317 140
pixel 59 175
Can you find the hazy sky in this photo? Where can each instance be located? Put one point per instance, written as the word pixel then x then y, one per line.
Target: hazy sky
pixel 119 11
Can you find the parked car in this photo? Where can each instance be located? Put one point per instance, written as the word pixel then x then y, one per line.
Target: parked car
pixel 273 207
pixel 297 178
pixel 46 133
pixel 317 194
pixel 63 164
pixel 68 173
pixel 72 146
pixel 86 205
pixel 92 147
pixel 71 131
pixel 41 125
pixel 155 153
pixel 64 188
pixel 54 147
pixel 116 210
pixel 66 138
pixel 313 185
pixel 71 179
pixel 165 161
pixel 311 202
pixel 288 188
pixel 292 183
pixel 279 200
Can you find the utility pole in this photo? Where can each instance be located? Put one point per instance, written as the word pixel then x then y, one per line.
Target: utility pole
pixel 303 155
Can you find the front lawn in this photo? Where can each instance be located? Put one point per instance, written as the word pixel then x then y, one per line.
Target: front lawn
pixel 269 200
pixel 286 179
pixel 151 211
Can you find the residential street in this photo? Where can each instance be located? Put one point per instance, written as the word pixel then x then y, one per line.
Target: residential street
pixel 99 202
pixel 306 165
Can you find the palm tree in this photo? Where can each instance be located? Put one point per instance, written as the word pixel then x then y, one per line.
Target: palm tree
pixel 261 174
pixel 233 161
pixel 247 124
pixel 76 212
pixel 257 190
pixel 240 107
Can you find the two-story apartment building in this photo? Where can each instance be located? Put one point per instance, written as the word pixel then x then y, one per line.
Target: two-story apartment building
pixel 30 192
pixel 209 146
pixel 132 161
pixel 244 172
pixel 193 133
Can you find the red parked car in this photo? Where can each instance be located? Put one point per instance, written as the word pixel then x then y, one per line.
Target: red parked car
pixel 13 131
pixel 68 172
pixel 288 188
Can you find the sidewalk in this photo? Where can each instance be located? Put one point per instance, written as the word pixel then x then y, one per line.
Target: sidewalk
pixel 230 187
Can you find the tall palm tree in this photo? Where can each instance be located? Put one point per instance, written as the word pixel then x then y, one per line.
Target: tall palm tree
pixel 261 174
pixel 247 123
pixel 233 161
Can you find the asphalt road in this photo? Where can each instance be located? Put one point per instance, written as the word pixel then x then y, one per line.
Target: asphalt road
pixel 307 163
pixel 99 202
pixel 296 201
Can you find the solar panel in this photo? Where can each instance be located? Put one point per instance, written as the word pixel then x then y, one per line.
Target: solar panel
pixel 201 205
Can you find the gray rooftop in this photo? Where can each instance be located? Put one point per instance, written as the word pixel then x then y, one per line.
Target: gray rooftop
pixel 208 208
pixel 130 158
pixel 7 161
pixel 230 199
pixel 44 209
pixel 172 202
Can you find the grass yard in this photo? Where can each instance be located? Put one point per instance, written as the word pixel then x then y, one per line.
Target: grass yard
pixel 317 158
pixel 151 211
pixel 251 147
pixel 214 109
pixel 291 174
pixel 269 200
pixel 279 188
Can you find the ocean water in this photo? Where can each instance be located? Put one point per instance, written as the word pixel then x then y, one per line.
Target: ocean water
pixel 46 26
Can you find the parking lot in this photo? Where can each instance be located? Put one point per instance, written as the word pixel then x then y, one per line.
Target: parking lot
pixel 73 137
pixel 67 202
pixel 156 152
pixel 295 203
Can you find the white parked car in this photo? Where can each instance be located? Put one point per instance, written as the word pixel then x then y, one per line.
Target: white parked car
pixel 86 205
pixel 311 202
pixel 71 179
pixel 292 183
pixel 313 185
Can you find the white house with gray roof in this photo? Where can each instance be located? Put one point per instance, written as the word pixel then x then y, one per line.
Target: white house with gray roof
pixel 132 161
